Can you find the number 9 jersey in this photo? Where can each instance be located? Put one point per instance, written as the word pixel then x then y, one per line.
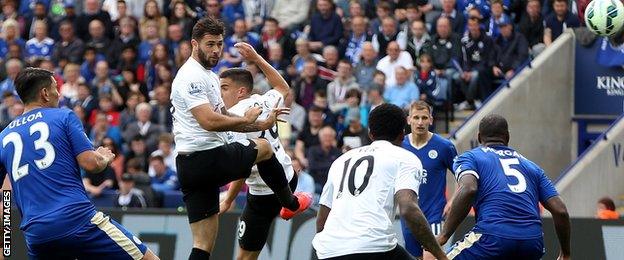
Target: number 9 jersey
pixel 39 150
pixel 360 190
pixel 509 189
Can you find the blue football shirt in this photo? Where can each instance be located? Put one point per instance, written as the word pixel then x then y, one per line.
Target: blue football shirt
pixel 510 188
pixel 39 150
pixel 436 157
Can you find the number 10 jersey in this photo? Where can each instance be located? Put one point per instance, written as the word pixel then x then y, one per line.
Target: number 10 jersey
pixel 360 190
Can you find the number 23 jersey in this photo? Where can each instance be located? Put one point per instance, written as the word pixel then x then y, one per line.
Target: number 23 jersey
pixel 360 190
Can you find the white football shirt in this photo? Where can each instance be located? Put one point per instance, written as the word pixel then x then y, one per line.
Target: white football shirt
pixel 267 102
pixel 360 190
pixel 194 86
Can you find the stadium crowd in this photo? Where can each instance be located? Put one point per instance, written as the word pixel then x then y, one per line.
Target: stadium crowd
pixel 115 60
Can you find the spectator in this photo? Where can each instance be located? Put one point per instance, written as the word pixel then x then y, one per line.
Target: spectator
pixel 556 22
pixel 98 39
pixel 389 33
pixel 103 85
pixel 305 182
pixel 92 12
pixel 9 12
pixel 231 57
pixel 355 135
pixel 96 183
pixel 308 83
pixel 106 106
pixel 352 47
pixel 102 129
pixel 276 59
pixel 366 67
pixel 322 155
pixel 320 101
pixel 151 12
pixel 139 152
pixel 477 48
pixel 141 179
pixel 296 118
pixel 182 18
pixel 126 38
pixel 69 89
pixel 161 110
pixel 12 111
pixel 159 57
pixel 606 209
pixel 303 54
pixel 375 98
pixel 150 39
pixel 144 128
pixel 445 50
pixel 383 10
pixel 129 84
pixel 69 49
pixel 128 62
pixel 427 82
pixel 166 151
pixel 418 41
pixel 87 68
pixel 117 9
pixel 80 113
pixel 412 13
pixel 404 92
pixel 290 13
pixel 41 45
pixel 84 98
pixel 511 51
pixel 233 10
pixel 532 26
pixel 337 89
pixel 40 13
pixel 272 34
pixel 117 165
pixel 331 57
pixel 325 26
pixel 183 53
pixel 13 67
pixel 128 115
pixel 497 16
pixel 456 18
pixel 129 196
pixel 164 178
pixel 213 9
pixel 10 29
pixel 174 38
pixel 395 58
pixel 309 136
pixel 255 12
pixel 7 100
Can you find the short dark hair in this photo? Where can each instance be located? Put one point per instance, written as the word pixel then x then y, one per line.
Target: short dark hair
pixel 157 158
pixel 30 81
pixel 240 76
pixel 493 127
pixel 207 26
pixel 608 202
pixel 387 122
pixel 354 92
pixel 563 1
pixel 315 109
pixel 272 20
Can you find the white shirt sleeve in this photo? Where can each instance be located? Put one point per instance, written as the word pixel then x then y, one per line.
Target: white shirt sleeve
pixel 327 196
pixel 194 94
pixel 407 176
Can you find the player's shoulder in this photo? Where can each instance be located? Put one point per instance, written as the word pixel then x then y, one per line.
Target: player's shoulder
pixel 397 153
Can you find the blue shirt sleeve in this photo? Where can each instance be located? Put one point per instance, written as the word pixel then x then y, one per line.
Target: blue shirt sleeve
pixel 77 137
pixel 451 155
pixel 546 188
pixel 465 164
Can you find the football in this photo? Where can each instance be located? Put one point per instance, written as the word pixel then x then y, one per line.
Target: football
pixel 604 17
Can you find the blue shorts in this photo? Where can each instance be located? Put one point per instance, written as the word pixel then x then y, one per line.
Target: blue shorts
pixel 102 238
pixel 411 244
pixel 484 246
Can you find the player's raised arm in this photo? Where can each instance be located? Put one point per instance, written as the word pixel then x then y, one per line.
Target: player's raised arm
pixel 462 201
pixel 416 221
pixel 273 77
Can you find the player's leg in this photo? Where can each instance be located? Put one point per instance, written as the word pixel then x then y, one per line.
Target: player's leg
pixel 530 249
pixel 255 222
pixel 104 238
pixel 198 174
pixel 411 244
pixel 272 173
pixel 478 246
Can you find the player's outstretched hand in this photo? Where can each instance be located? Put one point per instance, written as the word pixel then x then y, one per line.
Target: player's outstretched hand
pixel 247 51
pixel 106 153
pixel 252 114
